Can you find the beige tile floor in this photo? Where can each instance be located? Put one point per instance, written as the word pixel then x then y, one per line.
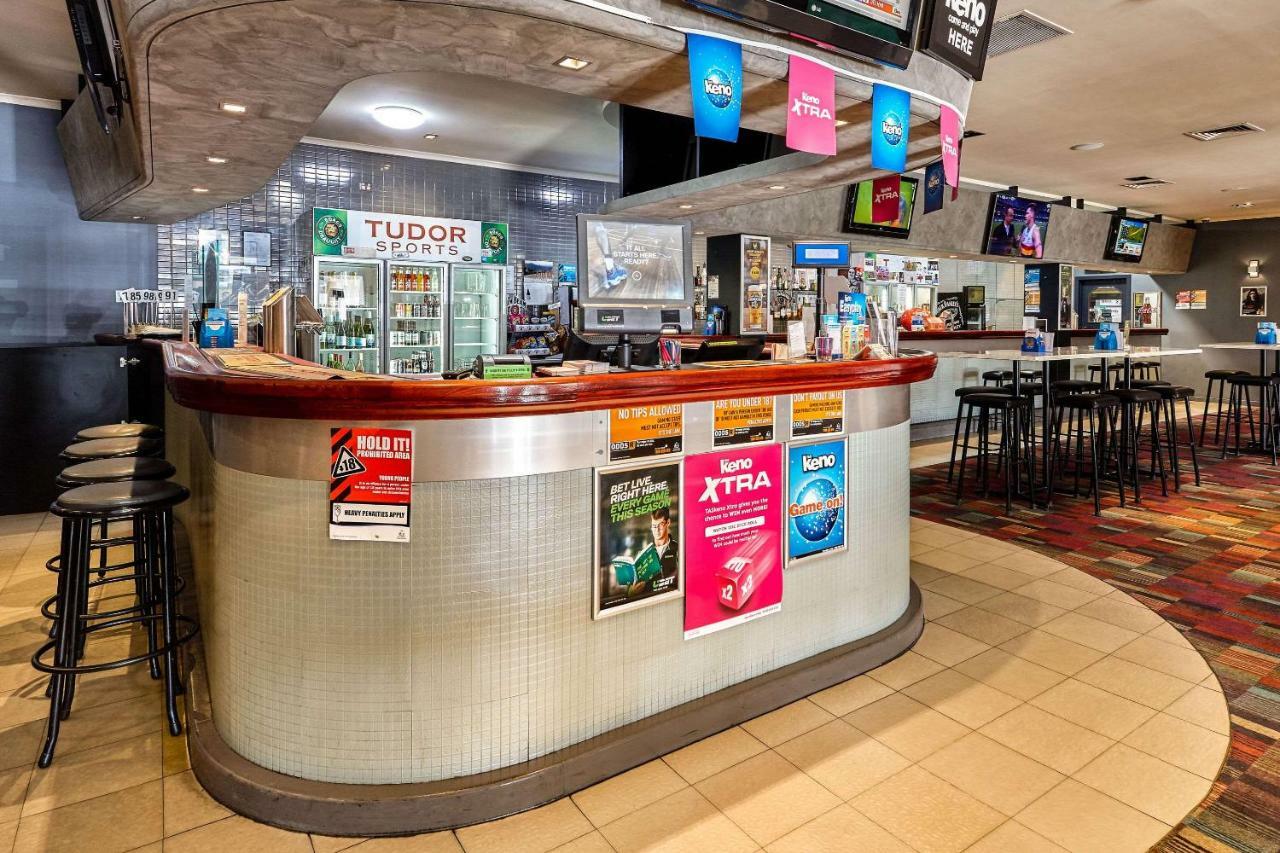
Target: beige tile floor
pixel 1041 710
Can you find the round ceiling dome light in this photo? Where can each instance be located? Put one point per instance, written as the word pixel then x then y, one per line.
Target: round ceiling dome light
pixel 1088 146
pixel 398 117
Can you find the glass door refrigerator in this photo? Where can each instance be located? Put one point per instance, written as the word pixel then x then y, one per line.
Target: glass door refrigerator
pixel 348 295
pixel 477 325
pixel 416 309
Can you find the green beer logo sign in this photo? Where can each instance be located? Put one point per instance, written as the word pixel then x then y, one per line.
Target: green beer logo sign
pixel 329 232
pixel 493 240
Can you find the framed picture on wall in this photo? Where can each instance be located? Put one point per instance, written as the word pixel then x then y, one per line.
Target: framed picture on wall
pixel 1253 301
pixel 257 248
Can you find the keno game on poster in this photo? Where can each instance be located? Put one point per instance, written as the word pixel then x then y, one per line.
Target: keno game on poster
pixel 733 538
pixel 816 494
pixel 370 484
pixel 638 560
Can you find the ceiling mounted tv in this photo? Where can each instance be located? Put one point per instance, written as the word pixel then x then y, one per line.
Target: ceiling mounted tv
pixel 1018 227
pixel 858 218
pixel 882 30
pixel 1128 239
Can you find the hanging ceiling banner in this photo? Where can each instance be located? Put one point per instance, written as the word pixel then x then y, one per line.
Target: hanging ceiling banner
pixel 949 121
pixel 955 188
pixel 886 197
pixel 890 127
pixel 715 82
pixel 811 117
pixel 933 187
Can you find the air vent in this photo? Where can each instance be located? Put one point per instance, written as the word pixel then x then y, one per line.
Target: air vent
pixel 1022 30
pixel 1219 132
pixel 1139 182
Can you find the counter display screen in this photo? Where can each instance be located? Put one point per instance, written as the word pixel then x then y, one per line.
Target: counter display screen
pixel 630 261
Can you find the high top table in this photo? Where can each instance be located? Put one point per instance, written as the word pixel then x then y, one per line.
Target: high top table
pixel 1262 349
pixel 1019 358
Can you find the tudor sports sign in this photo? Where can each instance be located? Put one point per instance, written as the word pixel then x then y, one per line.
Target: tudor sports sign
pixel 361 233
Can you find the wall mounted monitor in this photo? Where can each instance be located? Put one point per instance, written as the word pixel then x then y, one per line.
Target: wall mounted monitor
pixel 858 217
pixel 1128 239
pixel 635 274
pixel 1017 227
pixel 882 30
pixel 813 254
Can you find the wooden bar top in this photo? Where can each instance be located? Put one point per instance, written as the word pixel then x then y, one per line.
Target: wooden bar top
pixel 197 380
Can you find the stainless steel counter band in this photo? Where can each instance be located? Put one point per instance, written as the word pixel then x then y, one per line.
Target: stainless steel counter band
pixel 487 448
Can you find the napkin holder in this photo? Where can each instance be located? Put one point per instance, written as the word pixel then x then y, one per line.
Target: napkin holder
pixel 1106 339
pixel 1266 334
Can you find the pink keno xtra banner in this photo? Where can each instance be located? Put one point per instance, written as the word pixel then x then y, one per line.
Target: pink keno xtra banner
pixel 811 117
pixel 733 538
pixel 950 137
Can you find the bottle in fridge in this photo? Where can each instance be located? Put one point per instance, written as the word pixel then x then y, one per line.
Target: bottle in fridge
pixel 416 292
pixel 476 322
pixel 348 294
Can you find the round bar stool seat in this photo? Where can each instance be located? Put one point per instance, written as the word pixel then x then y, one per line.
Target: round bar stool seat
pixel 1224 374
pixel 1075 386
pixel 1149 383
pixel 114 470
pixel 980 389
pixel 119 431
pixel 997 376
pixel 117 500
pixel 110 448
pixel 1026 389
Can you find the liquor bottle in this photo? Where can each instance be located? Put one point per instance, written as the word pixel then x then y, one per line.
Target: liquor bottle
pixel 371 334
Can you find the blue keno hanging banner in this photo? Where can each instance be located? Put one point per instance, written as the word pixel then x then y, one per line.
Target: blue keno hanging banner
pixel 890 127
pixel 934 186
pixel 715 81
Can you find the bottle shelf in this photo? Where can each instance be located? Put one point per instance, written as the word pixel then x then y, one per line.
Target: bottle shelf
pixel 348 349
pixel 417 292
pixel 416 346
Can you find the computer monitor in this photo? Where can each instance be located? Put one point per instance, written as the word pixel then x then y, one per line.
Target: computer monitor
pixel 634 274
pixel 597 347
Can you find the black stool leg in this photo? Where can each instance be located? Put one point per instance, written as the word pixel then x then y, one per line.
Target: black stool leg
pixel 74 561
pixel 1093 463
pixel 1191 438
pixel 1170 416
pixel 144 566
pixel 163 519
pixel 964 454
pixel 955 439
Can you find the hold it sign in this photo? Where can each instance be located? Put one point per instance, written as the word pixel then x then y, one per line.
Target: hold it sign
pixel 370 484
pixel 958 31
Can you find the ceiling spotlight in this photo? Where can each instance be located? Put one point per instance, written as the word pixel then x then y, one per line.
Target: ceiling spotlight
pixel 199 189
pixel 953 256
pixel 686 207
pixel 777 186
pixel 1088 146
pixel 217 161
pixel 699 233
pixel 229 107
pixel 573 63
pixel 398 117
pixel 430 136
pixel 137 217
pixel 841 122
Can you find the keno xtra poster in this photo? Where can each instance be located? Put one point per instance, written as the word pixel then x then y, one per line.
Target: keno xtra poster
pixel 733 538
pixel 370 483
pixel 816 511
pixel 637 551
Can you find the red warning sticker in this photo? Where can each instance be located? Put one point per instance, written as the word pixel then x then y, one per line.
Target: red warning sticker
pixel 370 483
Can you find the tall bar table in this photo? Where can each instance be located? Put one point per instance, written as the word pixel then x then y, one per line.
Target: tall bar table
pixel 1262 350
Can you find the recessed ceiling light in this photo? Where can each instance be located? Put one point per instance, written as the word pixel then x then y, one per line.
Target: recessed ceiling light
pixel 217 161
pixel 573 63
pixel 953 256
pixel 137 217
pixel 699 233
pixel 777 186
pixel 430 136
pixel 1243 204
pixel 686 207
pixel 199 189
pixel 230 107
pixel 398 117
pixel 1088 146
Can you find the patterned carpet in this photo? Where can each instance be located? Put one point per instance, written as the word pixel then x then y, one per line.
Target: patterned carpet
pixel 1208 560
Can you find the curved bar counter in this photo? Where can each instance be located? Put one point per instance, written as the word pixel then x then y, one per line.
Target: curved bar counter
pixel 376 688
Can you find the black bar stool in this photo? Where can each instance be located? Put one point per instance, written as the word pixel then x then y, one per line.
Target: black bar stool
pixel 1136 405
pixel 1240 405
pixel 150 505
pixel 1221 377
pixel 112 448
pixel 1014 451
pixel 1102 411
pixel 1169 397
pixel 119 431
pixel 961 393
pixel 995 377
pixel 1107 379
pixel 1145 370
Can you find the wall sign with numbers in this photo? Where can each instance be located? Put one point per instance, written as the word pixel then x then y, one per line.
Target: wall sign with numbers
pixel 640 432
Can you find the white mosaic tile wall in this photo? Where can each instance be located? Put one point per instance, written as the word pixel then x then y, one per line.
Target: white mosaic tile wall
pixel 473 648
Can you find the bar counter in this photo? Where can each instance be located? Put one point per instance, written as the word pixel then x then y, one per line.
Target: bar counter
pixel 381 688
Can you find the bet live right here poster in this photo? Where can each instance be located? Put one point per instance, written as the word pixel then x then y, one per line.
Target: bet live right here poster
pixel 816 487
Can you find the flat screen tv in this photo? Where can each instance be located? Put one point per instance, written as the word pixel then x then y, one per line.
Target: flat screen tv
pixel 634 274
pixel 1128 239
pixel 882 30
pixel 858 218
pixel 1017 227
